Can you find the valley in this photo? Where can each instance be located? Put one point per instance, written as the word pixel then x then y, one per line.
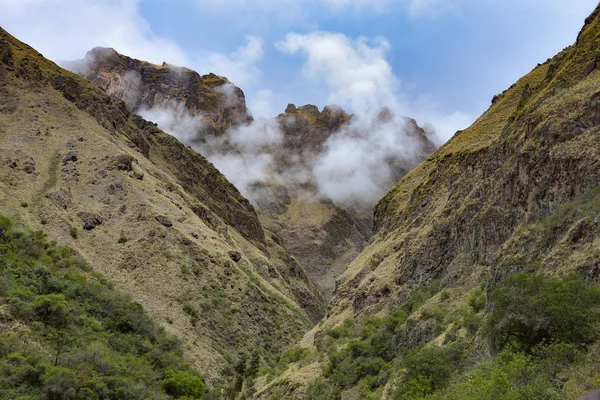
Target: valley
pixel 149 223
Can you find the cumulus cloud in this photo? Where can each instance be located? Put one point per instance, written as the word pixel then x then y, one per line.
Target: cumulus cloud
pixel 355 71
pixel 65 30
pixel 240 66
pixel 358 76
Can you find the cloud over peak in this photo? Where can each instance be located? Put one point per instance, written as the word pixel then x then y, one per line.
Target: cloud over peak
pixel 355 72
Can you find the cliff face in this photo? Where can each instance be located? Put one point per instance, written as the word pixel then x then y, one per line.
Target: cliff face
pixel 153 216
pixel 518 191
pixel 451 218
pixel 144 86
pixel 322 235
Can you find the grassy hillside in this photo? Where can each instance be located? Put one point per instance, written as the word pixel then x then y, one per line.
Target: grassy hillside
pixel 147 212
pixel 66 333
pixel 481 279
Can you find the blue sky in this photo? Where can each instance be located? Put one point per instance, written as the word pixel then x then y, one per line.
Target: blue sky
pixel 440 61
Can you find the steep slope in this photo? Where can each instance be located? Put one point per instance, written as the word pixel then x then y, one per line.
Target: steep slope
pixel 536 148
pixel 67 333
pixel 145 86
pixel 509 205
pixel 149 213
pixel 322 235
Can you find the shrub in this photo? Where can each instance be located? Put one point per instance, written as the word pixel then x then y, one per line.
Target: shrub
pixel 74 335
pixel 73 232
pixel 429 368
pixel 530 309
pixel 181 384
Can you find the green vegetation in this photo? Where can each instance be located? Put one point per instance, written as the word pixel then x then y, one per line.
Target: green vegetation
pixel 67 334
pixel 73 232
pixel 541 341
pixel 532 309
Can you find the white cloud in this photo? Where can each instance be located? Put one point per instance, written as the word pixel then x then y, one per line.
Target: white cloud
pixel 355 71
pixel 261 104
pixel 65 30
pixel 240 66
pixel 358 77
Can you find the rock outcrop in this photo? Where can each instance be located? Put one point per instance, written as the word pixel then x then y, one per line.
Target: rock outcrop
pixel 144 86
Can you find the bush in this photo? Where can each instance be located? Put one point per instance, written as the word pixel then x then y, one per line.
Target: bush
pixel 530 309
pixel 182 384
pixel 429 368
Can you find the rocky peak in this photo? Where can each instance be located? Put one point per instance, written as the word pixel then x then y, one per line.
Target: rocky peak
pixel 144 86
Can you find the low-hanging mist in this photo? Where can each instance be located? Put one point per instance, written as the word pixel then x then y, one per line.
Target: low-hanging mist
pixel 354 167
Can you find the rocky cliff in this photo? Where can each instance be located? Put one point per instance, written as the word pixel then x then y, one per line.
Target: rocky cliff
pixel 322 235
pixel 514 195
pixel 153 216
pixel 144 87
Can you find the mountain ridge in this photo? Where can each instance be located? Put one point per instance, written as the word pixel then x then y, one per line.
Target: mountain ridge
pixel 150 214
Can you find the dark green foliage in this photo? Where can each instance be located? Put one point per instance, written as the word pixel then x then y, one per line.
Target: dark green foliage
pixel 428 369
pixel 530 309
pixel 365 354
pixel 67 334
pixel 73 232
pixel 515 375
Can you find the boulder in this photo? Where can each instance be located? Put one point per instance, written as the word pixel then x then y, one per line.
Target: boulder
pixel 235 256
pixel 90 220
pixel 164 221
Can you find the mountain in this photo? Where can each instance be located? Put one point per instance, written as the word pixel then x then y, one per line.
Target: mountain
pixel 145 86
pixel 482 258
pixel 481 278
pixel 322 234
pixel 154 217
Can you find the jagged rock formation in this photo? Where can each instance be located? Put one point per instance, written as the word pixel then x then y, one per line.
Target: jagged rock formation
pixel 153 216
pixel 145 86
pixel 517 191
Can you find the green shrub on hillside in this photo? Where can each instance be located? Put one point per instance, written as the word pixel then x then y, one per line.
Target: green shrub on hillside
pixel 66 334
pixel 530 309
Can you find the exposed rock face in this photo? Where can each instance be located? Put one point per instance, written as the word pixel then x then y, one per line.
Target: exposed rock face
pixel 71 152
pixel 464 212
pixel 144 86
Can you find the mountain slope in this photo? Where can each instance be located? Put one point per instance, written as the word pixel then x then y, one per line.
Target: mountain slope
pixel 146 211
pixel 465 247
pixel 325 236
pixel 535 148
pixel 66 333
